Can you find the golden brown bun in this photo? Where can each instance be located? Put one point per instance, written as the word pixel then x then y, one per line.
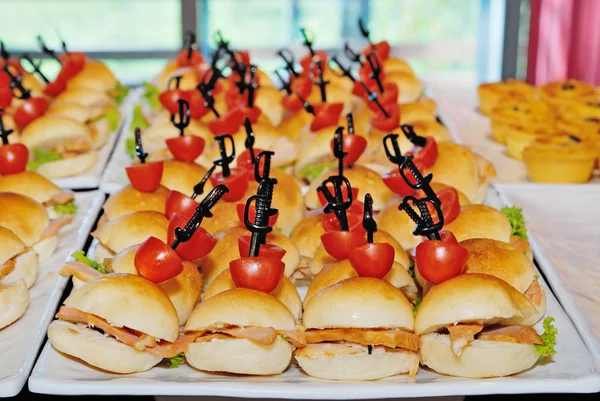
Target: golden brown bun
pixel 472 298
pixel 480 221
pixel 479 360
pixel 335 272
pixel 285 292
pixel 25 268
pixel 127 300
pixel 132 228
pixel 69 166
pixel 227 250
pixel 409 87
pixel 462 169
pixel 306 235
pixel 182 177
pixel 10 245
pixel 241 307
pixel 269 101
pixel 359 302
pixel 224 216
pixel 14 301
pixel 363 178
pixel 98 350
pixel 96 75
pixel 294 124
pixel 45 133
pixel 75 111
pixel 335 94
pixel 23 216
pixel 95 100
pixel 129 200
pixel 31 184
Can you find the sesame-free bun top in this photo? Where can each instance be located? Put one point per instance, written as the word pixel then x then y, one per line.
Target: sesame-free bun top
pixel 269 102
pixel 129 200
pixel 359 302
pixel 480 221
pixel 501 260
pixel 47 132
pixel 23 216
pixel 182 177
pixel 132 228
pixel 84 96
pixel 95 74
pixel 363 178
pixel 126 300
pixel 241 307
pixel 472 298
pixel 285 292
pixel 31 184
pixel 75 111
pixel 306 235
pixel 10 245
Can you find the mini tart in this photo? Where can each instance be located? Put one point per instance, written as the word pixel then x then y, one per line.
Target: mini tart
pixel 518 137
pixel 517 111
pixel 559 159
pixel 564 93
pixel 491 93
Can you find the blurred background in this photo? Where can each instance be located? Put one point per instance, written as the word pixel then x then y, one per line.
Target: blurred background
pixel 459 41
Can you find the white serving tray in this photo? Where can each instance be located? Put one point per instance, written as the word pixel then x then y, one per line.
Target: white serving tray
pixel 563 222
pixel 572 370
pixel 20 342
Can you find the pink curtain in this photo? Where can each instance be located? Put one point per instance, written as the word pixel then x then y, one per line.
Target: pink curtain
pixel 564 41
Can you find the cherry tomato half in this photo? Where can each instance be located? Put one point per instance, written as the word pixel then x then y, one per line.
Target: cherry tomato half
pixel 307 60
pixel 339 244
pixel 13 158
pixel 244 160
pixel 373 260
pixel 387 124
pixel 441 260
pixel 237 182
pixel 331 222
pixel 258 273
pixel 72 63
pixel 450 205
pixel 145 177
pixel 185 59
pixel 365 72
pixel 31 109
pixel 186 148
pixel 178 203
pixel 156 261
pixel 389 95
pixel 240 207
pixel 267 250
pixel 204 74
pixel 5 97
pixel 170 97
pixel 396 183
pixel 197 247
pixel 326 115
pixel 323 201
pixel 301 85
pixel 426 155
pixel 354 145
pixel 55 87
pixel 382 49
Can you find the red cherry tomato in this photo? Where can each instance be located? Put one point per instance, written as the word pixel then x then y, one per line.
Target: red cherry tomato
pixel 267 250
pixel 394 181
pixel 13 158
pixel 186 148
pixel 331 222
pixel 387 124
pixel 230 122
pixel 56 87
pixel 301 85
pixel 442 260
pixel 307 60
pixel 339 244
pixel 72 64
pixel 5 97
pixel 389 95
pixel 168 99
pixel 373 260
pixel 204 74
pixel 178 203
pixel 366 71
pixel 244 160
pixel 358 89
pixel 382 49
pixel 197 104
pixel 354 145
pixel 240 207
pixel 233 97
pixel 326 115
pixel 237 182
pixel 156 261
pixel 450 205
pixel 145 177
pixel 185 59
pixel 427 155
pixel 31 109
pixel 258 273
pixel 197 247
pixel 242 56
pixel 323 201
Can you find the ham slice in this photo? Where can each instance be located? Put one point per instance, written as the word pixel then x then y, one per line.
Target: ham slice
pixel 388 338
pixel 56 225
pixel 7 268
pixel 79 270
pixel 461 335
pixel 534 293
pixel 261 335
pixel 62 197
pixel 512 334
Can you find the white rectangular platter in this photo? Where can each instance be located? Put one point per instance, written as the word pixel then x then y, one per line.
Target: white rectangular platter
pixel 563 222
pixel 20 342
pixel 571 370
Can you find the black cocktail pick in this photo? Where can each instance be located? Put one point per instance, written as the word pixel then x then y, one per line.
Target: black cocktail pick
pixel 335 199
pixel 307 42
pixel 183 112
pixel 226 158
pixel 139 149
pixel 338 149
pixel 199 187
pixel 249 142
pixel 4 133
pixel 319 80
pixel 288 58
pixel 16 84
pixel 412 136
pixel 369 223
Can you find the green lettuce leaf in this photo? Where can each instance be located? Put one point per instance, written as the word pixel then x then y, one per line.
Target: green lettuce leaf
pixel 537 276
pixel 40 157
pixel 66 208
pixel 549 337
pixel 138 119
pixel 130 146
pixel 517 222
pixel 80 257
pixel 151 95
pixel 416 304
pixel 119 92
pixel 112 116
pixel 176 360
pixel 310 173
